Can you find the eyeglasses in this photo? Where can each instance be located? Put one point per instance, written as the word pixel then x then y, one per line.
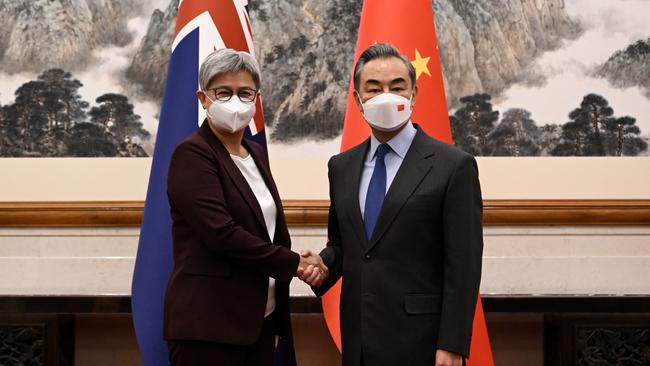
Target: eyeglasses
pixel 224 94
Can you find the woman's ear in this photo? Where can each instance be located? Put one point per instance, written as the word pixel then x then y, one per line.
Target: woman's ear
pixel 202 99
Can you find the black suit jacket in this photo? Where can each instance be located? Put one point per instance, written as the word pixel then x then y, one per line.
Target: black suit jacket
pixel 412 288
pixel 223 255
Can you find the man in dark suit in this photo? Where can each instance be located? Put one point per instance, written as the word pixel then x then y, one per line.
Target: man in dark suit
pixel 404 230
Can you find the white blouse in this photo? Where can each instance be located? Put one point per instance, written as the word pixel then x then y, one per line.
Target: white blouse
pixel 249 170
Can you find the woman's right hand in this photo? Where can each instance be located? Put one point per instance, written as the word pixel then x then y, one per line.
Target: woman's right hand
pixel 311 269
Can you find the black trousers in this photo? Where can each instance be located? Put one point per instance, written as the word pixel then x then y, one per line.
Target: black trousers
pixel 198 353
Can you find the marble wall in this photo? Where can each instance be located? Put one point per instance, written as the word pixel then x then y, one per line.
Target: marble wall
pixel 517 260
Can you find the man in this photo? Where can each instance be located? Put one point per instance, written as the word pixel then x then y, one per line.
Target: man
pixel 404 230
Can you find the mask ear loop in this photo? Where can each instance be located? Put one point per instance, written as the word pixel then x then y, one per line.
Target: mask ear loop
pixel 360 102
pixel 410 114
pixel 206 95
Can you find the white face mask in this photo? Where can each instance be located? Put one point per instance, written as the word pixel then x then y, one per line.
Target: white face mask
pixel 387 111
pixel 232 116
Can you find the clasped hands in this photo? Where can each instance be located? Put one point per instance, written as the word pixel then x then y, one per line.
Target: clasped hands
pixel 311 269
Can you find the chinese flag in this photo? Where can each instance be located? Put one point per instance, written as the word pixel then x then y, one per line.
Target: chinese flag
pixel 407 25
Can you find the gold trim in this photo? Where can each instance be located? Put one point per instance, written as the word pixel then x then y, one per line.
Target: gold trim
pixel 314 213
pixel 70 214
pixel 566 212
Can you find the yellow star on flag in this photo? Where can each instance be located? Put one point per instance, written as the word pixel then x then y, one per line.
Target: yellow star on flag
pixel 420 64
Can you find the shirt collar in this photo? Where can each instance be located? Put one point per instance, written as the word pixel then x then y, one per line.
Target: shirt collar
pixel 399 144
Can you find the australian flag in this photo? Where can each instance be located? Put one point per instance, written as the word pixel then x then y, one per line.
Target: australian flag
pixel 202 26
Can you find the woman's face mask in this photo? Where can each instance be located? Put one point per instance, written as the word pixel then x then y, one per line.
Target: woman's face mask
pixel 232 116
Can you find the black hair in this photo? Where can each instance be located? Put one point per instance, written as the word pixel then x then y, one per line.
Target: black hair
pixel 380 50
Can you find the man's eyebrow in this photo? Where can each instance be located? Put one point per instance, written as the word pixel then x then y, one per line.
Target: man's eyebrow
pixel 372 81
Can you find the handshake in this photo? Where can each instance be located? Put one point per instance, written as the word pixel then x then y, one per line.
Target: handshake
pixel 311 269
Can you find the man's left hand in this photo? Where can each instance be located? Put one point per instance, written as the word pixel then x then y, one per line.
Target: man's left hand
pixel 446 358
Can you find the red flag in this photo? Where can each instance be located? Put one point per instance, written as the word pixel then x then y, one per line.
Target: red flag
pixel 408 25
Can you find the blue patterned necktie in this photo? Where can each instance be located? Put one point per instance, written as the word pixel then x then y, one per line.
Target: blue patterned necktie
pixel 376 190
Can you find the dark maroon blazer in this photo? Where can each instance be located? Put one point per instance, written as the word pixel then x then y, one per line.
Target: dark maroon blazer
pixel 223 255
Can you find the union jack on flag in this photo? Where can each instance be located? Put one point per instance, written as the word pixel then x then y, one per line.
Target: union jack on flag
pixel 210 25
pixel 202 26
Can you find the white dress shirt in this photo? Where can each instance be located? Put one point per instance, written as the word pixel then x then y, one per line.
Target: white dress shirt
pixel 249 170
pixel 399 146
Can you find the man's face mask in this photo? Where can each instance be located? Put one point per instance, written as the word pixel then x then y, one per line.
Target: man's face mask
pixel 387 111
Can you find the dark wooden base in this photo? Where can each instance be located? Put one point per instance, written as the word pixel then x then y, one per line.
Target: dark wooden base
pixel 578 330
pixel 36 339
pixel 310 304
pixel 597 339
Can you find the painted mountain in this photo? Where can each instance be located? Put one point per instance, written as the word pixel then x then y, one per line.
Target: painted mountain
pixel 522 77
pixel 629 67
pixel 306 50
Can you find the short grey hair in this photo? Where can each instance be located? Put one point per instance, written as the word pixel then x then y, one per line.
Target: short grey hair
pixel 226 60
pixel 381 50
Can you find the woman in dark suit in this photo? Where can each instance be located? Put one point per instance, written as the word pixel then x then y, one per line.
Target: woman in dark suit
pixel 228 296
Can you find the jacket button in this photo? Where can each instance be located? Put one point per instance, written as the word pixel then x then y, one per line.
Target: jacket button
pixel 367 257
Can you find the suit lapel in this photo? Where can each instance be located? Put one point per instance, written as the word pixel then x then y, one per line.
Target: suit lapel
pixel 416 165
pixel 355 167
pixel 233 172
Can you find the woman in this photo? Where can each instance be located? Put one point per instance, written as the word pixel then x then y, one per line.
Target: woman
pixel 228 295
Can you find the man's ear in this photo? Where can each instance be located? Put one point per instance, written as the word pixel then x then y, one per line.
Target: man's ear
pixel 357 101
pixel 415 94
